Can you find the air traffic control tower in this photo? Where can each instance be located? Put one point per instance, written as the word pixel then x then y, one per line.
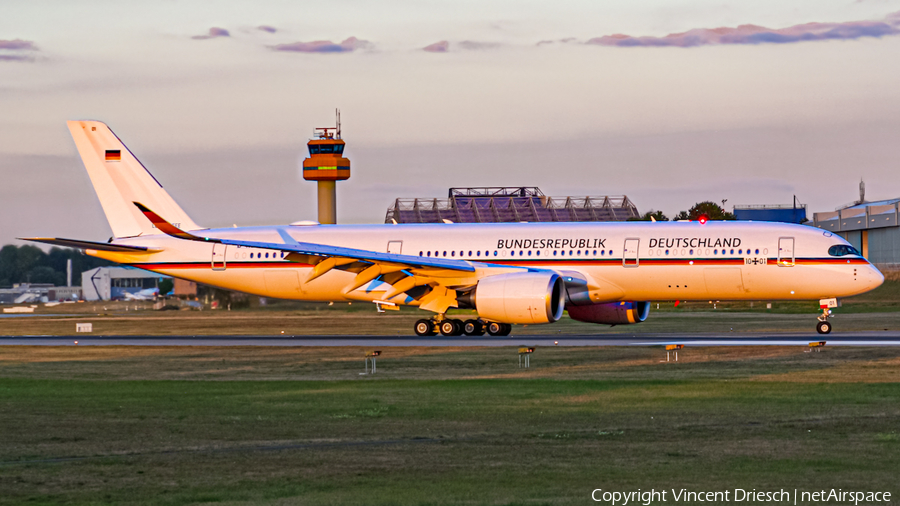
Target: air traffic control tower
pixel 327 165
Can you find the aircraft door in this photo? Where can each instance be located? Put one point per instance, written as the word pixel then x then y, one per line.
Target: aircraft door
pixel 218 256
pixel 786 251
pixel 395 247
pixel 630 256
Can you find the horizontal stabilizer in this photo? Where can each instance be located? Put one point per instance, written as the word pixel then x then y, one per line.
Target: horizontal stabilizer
pixel 99 246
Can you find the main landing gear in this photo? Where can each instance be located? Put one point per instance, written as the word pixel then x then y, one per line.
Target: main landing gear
pixel 448 327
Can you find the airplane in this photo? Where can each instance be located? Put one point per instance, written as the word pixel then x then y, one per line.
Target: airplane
pixel 509 273
pixel 145 294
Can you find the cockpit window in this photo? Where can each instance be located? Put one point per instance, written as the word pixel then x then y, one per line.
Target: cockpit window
pixel 840 250
pixel 315 149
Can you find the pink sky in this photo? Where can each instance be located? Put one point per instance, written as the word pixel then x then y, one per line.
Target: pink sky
pixel 755 103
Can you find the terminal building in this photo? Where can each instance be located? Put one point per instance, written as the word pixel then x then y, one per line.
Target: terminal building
pixel 871 227
pixel 790 213
pixel 112 283
pixel 509 205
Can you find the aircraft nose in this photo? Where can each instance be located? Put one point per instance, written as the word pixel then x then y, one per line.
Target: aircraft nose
pixel 873 277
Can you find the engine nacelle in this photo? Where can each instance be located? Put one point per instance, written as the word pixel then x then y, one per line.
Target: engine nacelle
pixel 613 313
pixel 520 297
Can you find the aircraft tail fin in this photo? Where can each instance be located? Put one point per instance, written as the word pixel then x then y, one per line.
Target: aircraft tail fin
pixel 119 179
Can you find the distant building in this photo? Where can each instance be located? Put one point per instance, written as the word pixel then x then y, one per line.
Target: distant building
pixel 184 288
pixel 509 205
pixel 781 213
pixel 788 213
pixel 871 227
pixel 23 293
pixel 112 283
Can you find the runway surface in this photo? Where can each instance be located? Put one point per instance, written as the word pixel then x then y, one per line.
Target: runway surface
pixel 873 338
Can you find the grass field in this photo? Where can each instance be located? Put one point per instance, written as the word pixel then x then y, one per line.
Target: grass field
pixel 439 426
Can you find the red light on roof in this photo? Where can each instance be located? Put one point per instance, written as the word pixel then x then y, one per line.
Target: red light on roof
pixel 703 219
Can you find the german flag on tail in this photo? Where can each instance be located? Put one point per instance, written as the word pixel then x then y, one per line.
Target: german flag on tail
pixel 113 155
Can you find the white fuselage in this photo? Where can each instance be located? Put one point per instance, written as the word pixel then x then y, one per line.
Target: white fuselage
pixel 627 261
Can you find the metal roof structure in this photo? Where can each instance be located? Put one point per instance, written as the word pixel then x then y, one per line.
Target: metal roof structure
pixel 509 205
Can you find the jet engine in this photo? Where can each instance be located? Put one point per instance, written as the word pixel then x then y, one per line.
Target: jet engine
pixel 524 298
pixel 612 313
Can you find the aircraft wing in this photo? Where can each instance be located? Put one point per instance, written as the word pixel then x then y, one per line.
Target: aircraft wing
pixel 402 272
pixel 313 249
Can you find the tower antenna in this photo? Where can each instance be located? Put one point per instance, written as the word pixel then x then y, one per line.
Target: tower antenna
pixel 337 121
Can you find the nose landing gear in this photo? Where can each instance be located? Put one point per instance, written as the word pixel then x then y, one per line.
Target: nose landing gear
pixel 824 326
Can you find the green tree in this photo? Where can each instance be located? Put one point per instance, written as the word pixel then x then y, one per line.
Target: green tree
pixel 712 211
pixel 22 264
pixel 656 215
pixel 166 286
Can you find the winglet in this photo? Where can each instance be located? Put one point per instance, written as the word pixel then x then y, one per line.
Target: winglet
pixel 168 228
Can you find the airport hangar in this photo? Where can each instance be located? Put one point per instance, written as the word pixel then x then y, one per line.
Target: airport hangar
pixel 871 227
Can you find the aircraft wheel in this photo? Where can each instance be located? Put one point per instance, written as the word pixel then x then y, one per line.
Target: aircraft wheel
pixel 451 328
pixel 473 328
pixel 424 328
pixel 823 328
pixel 498 329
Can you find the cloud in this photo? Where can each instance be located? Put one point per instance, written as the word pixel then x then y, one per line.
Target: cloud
pixel 562 41
pixel 473 45
pixel 266 28
pixel 324 46
pixel 213 33
pixel 438 47
pixel 18 45
pixel 754 34
pixel 15 57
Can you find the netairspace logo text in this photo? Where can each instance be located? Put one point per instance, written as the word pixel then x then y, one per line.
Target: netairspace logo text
pixel 739 495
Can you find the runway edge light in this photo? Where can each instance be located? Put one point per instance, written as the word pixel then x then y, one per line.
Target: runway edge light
pixel 525 351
